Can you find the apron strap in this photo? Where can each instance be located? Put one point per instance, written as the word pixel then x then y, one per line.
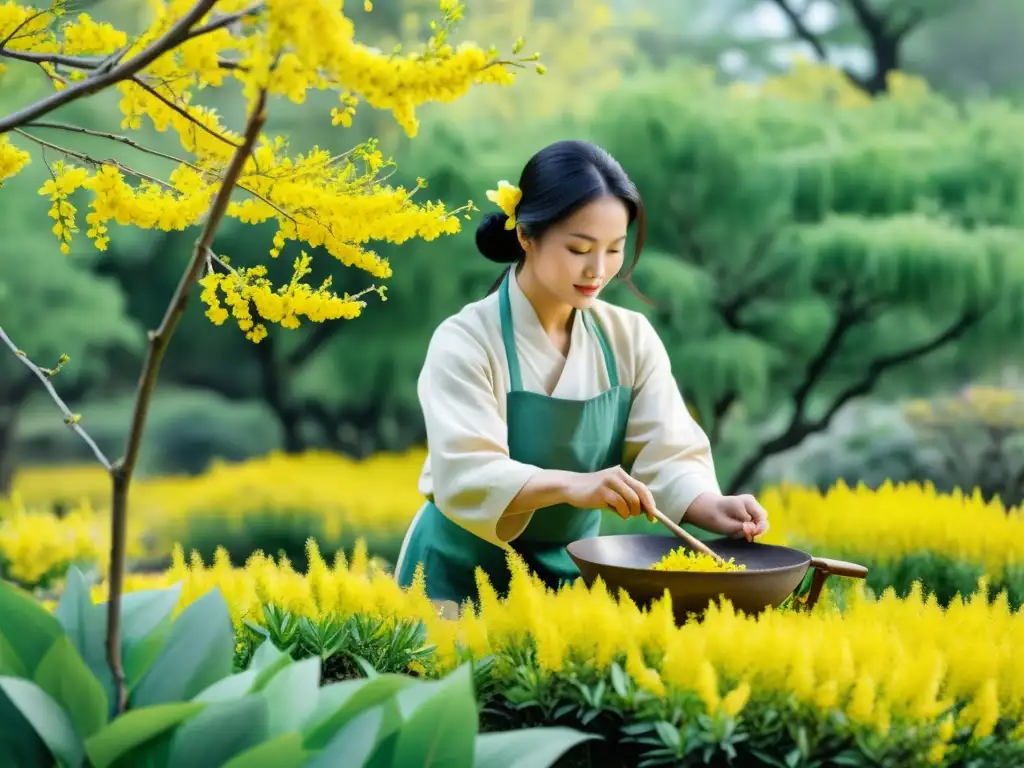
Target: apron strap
pixel 508 335
pixel 509 339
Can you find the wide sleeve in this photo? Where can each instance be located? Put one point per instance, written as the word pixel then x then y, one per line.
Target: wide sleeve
pixel 672 453
pixel 472 475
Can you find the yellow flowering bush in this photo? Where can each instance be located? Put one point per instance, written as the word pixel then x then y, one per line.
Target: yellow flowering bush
pixel 38 546
pixel 318 199
pixel 275 503
pixel 902 680
pixel 812 81
pixel 977 435
pixel 905 533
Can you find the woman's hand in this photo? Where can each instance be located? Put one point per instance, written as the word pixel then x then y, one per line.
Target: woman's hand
pixel 613 488
pixel 728 515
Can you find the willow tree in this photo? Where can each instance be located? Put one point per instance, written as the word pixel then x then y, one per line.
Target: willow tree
pixel 340 203
pixel 806 252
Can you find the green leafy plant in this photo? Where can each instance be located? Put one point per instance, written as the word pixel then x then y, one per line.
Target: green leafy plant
pixel 187 706
pixel 346 646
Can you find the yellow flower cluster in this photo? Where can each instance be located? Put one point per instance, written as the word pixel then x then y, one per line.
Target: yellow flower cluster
pixel 812 81
pixel 992 407
pixel 894 521
pixel 36 546
pixel 683 559
pixel 339 202
pixel 881 662
pixel 378 497
pixel 12 159
pixel 506 197
pixel 317 492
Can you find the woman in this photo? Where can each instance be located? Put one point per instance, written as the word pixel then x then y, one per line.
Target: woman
pixel 538 397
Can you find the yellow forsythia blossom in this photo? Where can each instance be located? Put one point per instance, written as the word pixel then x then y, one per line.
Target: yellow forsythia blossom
pixel 336 201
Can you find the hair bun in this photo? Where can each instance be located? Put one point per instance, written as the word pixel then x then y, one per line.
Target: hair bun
pixel 497 243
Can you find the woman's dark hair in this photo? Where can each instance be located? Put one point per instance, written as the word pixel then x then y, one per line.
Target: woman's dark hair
pixel 556 182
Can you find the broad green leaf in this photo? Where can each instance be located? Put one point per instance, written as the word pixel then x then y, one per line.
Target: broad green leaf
pixel 86 627
pixel 28 628
pixel 370 694
pixel 330 698
pixel 231 687
pixel 47 718
pixel 145 611
pixel 283 752
pixel 74 603
pixel 387 737
pixel 220 732
pixel 270 668
pixel 354 743
pixel 265 655
pixel 10 663
pixel 198 652
pixel 136 727
pixel 414 696
pixel 292 695
pixel 19 742
pixel 146 624
pixel 527 747
pixel 65 677
pixel 441 731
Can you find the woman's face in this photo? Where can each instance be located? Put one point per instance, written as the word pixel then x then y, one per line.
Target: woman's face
pixel 574 259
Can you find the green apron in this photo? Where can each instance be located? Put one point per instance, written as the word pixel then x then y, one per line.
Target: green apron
pixel 547 432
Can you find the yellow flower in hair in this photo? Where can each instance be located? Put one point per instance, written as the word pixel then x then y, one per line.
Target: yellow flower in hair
pixel 506 197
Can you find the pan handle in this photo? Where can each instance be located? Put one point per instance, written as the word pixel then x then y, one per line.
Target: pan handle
pixel 825 567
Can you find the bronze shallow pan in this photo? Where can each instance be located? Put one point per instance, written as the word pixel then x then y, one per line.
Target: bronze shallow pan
pixel 772 572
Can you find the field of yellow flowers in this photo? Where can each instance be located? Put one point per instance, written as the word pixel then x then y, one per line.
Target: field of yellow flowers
pixel 921 667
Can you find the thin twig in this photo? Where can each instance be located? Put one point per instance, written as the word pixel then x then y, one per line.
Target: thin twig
pixel 158 341
pixel 92 160
pixel 224 21
pixel 76 62
pixel 71 419
pixel 178 32
pixel 181 110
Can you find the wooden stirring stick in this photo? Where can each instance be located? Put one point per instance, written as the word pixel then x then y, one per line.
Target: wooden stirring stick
pixel 681 533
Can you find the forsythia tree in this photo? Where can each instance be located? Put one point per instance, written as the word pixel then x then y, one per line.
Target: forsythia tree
pixel 340 202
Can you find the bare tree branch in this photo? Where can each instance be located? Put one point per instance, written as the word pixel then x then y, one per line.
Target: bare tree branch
pixel 224 21
pixel 800 426
pixel 158 340
pixel 71 419
pixel 173 37
pixel 801 29
pixel 76 62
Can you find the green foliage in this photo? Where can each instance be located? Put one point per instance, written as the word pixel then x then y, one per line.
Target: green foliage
pixel 188 707
pixel 55 305
pixel 347 647
pixel 800 256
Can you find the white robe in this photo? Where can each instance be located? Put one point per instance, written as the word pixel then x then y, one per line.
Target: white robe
pixel 462 389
